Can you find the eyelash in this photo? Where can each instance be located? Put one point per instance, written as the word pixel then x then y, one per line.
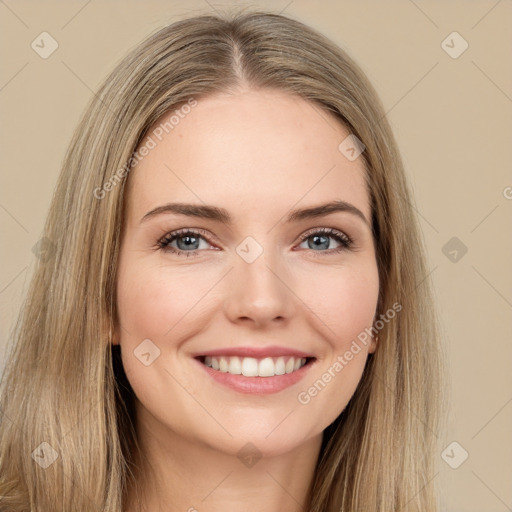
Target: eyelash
pixel 342 238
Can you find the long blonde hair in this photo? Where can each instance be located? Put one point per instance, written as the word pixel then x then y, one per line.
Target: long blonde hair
pixel 64 384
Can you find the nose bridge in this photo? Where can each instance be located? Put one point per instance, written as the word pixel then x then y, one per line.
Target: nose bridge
pixel 258 288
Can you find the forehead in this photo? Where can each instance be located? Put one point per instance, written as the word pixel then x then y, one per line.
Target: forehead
pixel 256 149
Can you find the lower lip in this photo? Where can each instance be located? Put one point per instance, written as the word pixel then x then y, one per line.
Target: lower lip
pixel 257 385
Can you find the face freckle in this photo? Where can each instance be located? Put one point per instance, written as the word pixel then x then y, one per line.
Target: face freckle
pixel 250 284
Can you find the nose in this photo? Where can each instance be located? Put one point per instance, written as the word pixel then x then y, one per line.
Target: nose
pixel 259 293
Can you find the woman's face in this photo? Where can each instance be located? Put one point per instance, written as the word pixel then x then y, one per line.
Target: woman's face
pixel 231 262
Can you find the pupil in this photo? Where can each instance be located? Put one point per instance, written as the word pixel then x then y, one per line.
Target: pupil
pixel 188 241
pixel 324 244
pixel 318 241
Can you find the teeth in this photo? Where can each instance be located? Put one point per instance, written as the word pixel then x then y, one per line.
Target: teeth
pixel 249 367
pixel 279 367
pixel 235 365
pixel 266 367
pixel 223 364
pixel 252 367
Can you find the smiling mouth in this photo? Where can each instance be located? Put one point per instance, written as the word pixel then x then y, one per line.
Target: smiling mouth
pixel 254 367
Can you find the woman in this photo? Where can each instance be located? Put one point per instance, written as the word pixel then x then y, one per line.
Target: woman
pixel 235 313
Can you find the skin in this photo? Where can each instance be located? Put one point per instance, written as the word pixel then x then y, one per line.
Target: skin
pixel 258 154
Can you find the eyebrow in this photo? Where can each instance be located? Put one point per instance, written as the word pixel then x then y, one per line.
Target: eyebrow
pixel 221 215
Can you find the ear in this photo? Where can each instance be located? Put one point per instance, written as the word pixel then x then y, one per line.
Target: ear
pixel 373 344
pixel 114 335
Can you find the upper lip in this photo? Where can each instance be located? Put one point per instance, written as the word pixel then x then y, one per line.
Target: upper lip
pixel 256 352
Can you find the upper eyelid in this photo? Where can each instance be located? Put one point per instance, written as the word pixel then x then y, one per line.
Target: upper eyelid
pixel 325 230
pixel 172 235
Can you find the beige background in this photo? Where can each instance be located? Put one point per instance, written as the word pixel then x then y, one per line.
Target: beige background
pixel 453 121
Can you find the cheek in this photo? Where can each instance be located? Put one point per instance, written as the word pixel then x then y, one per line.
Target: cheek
pixel 154 304
pixel 345 300
pixel 347 307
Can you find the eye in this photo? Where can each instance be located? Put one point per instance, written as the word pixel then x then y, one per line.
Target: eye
pixel 187 242
pixel 319 238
